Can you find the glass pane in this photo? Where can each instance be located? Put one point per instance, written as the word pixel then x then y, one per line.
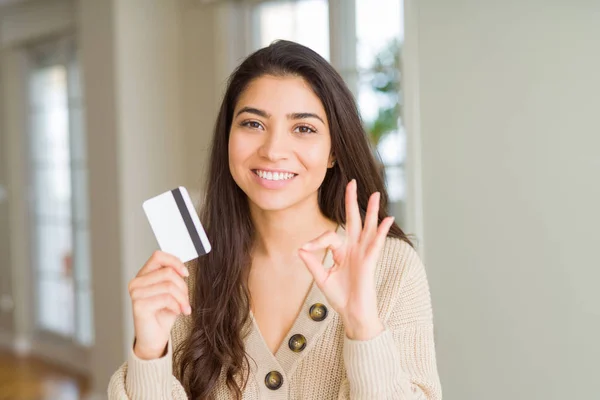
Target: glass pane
pixel 49 139
pixel 85 322
pixel 377 55
pixel 52 193
pixel 51 175
pixel 49 143
pixel 376 26
pixel 80 198
pixel 59 181
pixel 55 305
pixel 54 249
pixel 392 147
pixel 395 181
pixel 380 33
pixel 48 88
pixel 302 21
pixel 81 257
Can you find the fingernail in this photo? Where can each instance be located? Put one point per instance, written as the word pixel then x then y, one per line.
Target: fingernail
pixel 188 310
pixel 186 272
pixel 305 246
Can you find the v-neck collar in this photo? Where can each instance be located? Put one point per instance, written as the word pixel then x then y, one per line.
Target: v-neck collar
pixel 284 360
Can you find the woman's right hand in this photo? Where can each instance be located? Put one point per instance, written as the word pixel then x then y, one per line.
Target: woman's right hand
pixel 158 295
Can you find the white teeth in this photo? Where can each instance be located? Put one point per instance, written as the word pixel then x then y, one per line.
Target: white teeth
pixel 274 176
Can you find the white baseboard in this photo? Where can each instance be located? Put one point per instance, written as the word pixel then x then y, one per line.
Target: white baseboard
pixel 76 360
pixel 6 340
pixel 71 358
pixel 18 345
pixel 22 346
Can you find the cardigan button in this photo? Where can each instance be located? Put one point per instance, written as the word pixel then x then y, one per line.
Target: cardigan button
pixel 297 343
pixel 273 380
pixel 318 312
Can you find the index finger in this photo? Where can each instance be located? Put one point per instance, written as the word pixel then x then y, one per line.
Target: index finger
pixel 353 220
pixel 161 259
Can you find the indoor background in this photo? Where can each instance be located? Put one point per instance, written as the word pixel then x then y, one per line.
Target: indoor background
pixel 483 115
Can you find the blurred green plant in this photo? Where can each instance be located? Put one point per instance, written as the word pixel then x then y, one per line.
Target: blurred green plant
pixel 385 78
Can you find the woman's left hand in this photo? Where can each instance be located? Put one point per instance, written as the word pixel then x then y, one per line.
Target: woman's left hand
pixel 349 285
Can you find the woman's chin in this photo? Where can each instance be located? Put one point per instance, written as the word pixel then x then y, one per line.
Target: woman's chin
pixel 272 203
pixel 273 206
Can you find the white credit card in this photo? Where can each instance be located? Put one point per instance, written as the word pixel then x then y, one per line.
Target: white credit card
pixel 176 225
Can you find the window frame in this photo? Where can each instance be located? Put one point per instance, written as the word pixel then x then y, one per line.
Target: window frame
pixel 65 348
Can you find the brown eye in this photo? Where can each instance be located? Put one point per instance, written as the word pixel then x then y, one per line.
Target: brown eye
pixel 252 124
pixel 305 129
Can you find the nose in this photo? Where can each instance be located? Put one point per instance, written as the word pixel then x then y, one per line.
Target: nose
pixel 275 145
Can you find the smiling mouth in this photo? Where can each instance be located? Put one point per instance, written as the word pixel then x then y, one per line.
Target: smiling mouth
pixel 274 176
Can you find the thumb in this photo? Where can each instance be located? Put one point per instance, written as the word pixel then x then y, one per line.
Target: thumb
pixel 314 266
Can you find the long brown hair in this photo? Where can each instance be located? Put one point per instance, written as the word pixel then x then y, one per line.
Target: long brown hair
pixel 221 296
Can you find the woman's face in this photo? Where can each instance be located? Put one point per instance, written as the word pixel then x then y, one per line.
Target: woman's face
pixel 279 144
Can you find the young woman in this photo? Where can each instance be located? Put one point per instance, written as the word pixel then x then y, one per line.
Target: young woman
pixel 310 291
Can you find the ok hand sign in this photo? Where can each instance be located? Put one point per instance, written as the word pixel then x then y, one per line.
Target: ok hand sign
pixel 349 285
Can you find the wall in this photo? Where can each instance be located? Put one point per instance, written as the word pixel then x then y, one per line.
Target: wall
pixel 201 91
pixel 131 56
pixel 510 159
pixel 6 275
pixel 31 20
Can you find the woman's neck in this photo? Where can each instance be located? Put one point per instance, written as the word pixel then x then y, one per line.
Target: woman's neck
pixel 279 234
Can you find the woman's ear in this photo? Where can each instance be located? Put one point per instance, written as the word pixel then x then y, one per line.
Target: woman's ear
pixel 331 162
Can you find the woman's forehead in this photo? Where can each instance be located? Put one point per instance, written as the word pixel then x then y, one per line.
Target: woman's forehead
pixel 281 96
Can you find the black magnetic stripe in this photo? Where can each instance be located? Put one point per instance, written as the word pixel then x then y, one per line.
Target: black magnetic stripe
pixel 187 219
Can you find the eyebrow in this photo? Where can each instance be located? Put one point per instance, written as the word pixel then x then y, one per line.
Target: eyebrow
pixel 264 114
pixel 252 110
pixel 304 116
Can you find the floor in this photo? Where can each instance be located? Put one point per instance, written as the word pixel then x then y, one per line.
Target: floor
pixel 34 379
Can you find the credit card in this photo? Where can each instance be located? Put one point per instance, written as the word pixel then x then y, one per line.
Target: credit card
pixel 176 225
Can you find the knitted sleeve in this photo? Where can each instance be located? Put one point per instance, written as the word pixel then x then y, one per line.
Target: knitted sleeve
pixel 153 379
pixel 146 379
pixel 399 363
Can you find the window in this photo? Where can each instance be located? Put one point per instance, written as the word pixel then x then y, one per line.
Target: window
pixel 379 90
pixel 57 160
pixel 303 21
